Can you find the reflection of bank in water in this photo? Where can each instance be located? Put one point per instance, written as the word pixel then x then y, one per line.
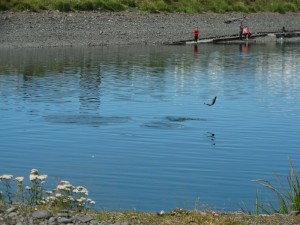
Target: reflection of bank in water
pixel 90 80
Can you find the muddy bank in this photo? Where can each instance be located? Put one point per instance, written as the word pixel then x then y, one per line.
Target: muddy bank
pixel 55 29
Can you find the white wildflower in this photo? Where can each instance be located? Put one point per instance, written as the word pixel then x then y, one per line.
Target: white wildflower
pixel 28 188
pixel 19 179
pixel 65 182
pixel 91 201
pixel 60 187
pixel 51 198
pixel 34 172
pixel 42 177
pixel 6 177
pixel 64 187
pixel 82 190
pixel 33 177
pixel 81 199
pixel 48 192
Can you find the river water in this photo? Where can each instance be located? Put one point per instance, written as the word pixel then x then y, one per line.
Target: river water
pixel 130 123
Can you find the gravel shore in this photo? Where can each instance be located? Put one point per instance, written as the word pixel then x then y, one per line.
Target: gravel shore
pixel 96 28
pixel 19 214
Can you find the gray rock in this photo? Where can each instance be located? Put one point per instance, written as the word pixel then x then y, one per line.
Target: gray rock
pixel 13 214
pixel 52 219
pixel 41 214
pixel 63 214
pixel 294 213
pixel 64 220
pixel 83 219
pixel 11 209
pixel 94 222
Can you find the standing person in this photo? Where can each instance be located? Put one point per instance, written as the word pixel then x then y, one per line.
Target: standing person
pixel 196 34
pixel 241 30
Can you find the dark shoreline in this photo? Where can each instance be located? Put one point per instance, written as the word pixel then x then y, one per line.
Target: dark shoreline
pixel 96 28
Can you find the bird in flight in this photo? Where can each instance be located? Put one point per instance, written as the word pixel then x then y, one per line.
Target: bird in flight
pixel 212 102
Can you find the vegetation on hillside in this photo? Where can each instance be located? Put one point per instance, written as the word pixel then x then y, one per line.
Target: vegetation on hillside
pixel 186 6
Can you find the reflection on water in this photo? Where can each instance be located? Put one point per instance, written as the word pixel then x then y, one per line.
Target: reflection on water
pixel 86 119
pixel 130 124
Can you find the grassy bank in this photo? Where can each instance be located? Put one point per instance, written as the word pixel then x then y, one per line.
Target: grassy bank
pixel 187 6
pixel 68 197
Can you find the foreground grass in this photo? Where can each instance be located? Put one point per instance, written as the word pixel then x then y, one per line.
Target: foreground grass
pixel 175 217
pixel 187 6
pixel 195 217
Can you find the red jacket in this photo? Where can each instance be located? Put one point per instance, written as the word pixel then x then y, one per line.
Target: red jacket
pixel 196 32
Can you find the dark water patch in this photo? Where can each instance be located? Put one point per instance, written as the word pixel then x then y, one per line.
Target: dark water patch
pixel 90 120
pixel 164 125
pixel 171 122
pixel 182 119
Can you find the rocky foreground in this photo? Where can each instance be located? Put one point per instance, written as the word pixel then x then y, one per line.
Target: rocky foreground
pixel 97 28
pixel 23 215
pixel 18 214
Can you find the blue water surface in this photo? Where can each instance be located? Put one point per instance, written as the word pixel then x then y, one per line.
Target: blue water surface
pixel 130 123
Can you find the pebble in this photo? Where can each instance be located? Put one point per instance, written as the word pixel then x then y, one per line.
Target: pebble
pixel 19 215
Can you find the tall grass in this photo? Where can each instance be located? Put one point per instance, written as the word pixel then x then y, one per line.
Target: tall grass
pixel 187 6
pixel 287 194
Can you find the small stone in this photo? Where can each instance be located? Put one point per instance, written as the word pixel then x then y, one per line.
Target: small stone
pixel 41 214
pixel 294 213
pixel 94 222
pixel 52 219
pixel 64 220
pixel 63 215
pixel 83 219
pixel 125 223
pixel 11 209
pixel 13 214
pixel 162 212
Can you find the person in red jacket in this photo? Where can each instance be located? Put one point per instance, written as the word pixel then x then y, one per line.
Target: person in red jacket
pixel 246 32
pixel 196 34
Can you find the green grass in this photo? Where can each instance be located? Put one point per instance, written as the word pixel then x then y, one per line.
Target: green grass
pixel 286 193
pixel 187 6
